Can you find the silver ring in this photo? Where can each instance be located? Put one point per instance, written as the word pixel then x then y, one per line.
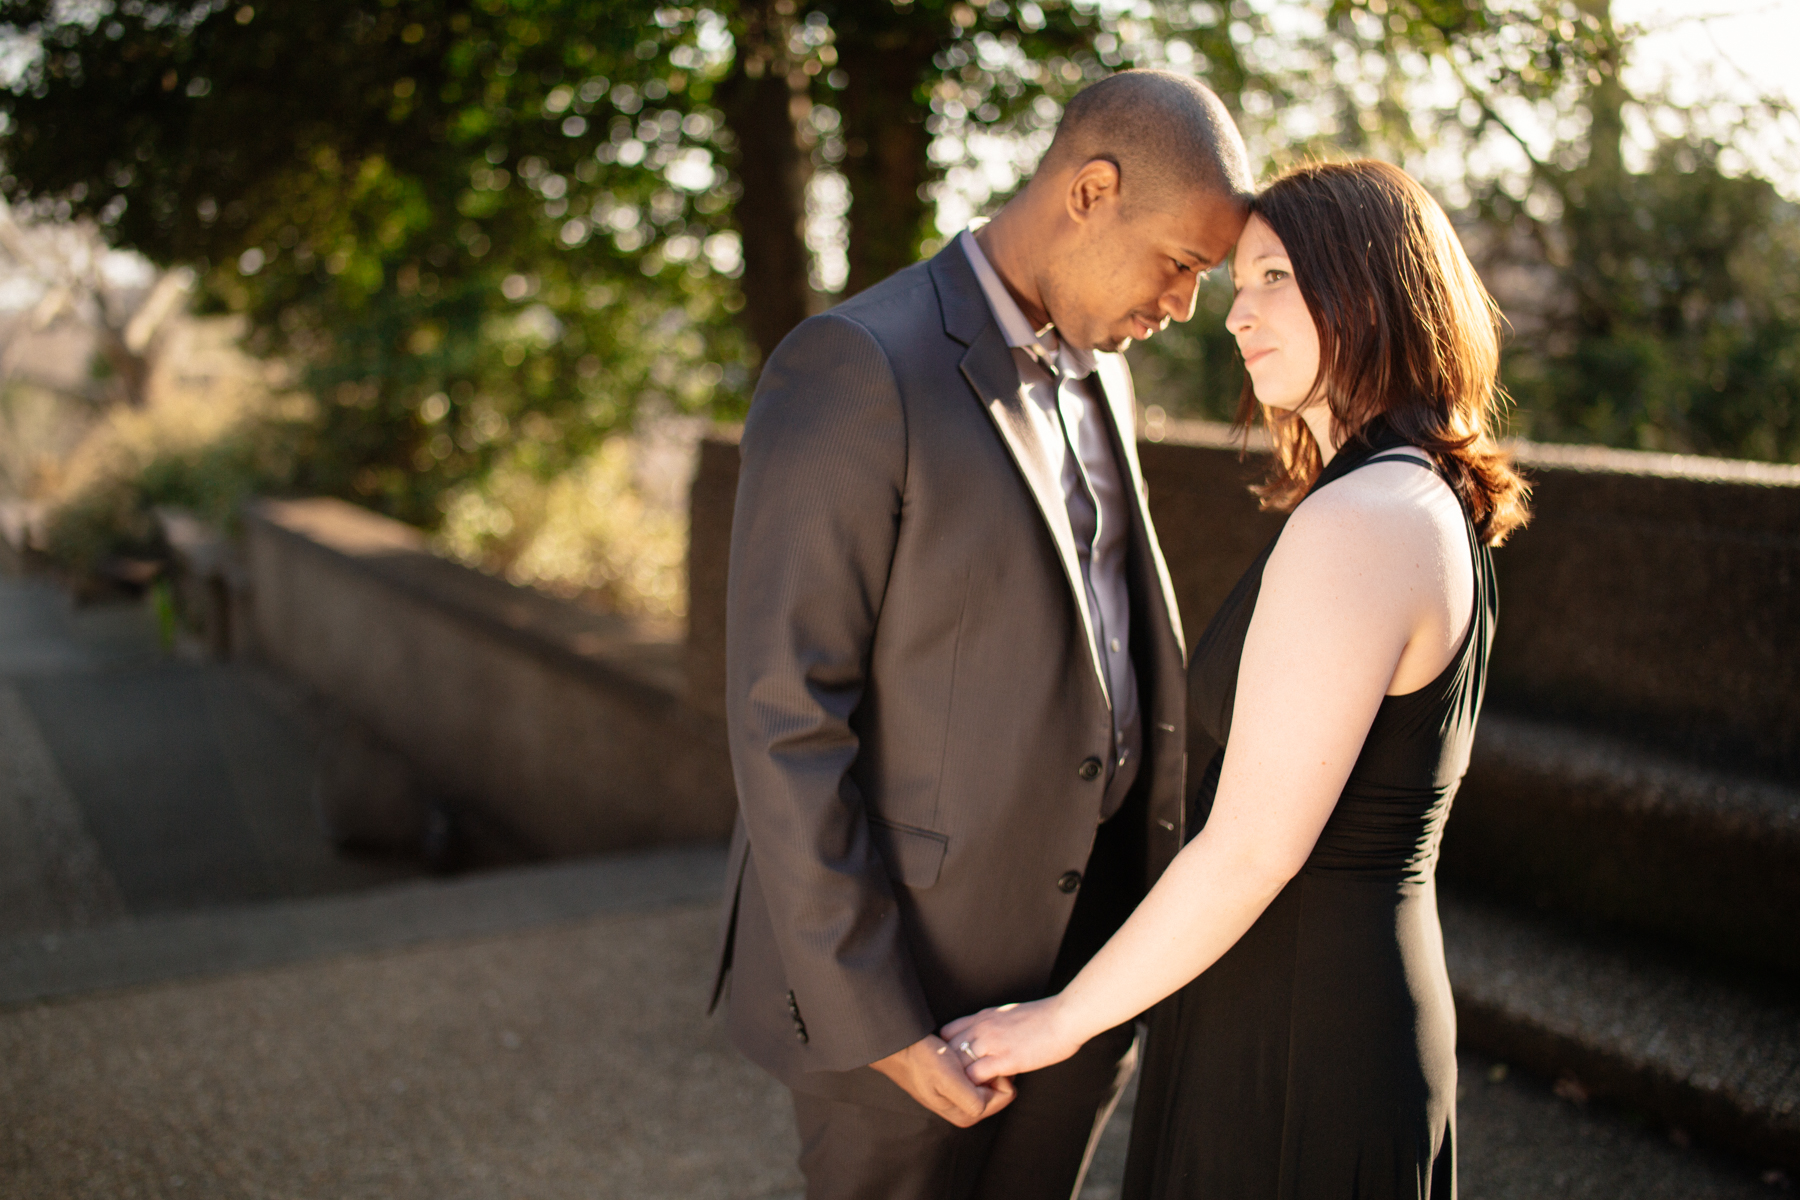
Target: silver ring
pixel 968 1050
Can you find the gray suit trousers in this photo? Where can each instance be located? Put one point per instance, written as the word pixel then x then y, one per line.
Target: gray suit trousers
pixel 1038 1148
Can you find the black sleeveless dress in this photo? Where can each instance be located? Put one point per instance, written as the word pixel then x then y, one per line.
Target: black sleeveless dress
pixel 1316 1060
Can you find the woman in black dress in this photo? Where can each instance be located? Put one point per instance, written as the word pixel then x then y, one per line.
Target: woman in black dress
pixel 1306 1047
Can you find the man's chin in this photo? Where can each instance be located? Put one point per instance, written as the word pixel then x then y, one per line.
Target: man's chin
pixel 1118 345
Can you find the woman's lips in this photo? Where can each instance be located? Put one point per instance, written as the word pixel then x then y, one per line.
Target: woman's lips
pixel 1256 356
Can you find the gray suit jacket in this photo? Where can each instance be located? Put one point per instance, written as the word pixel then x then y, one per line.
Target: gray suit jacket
pixel 913 688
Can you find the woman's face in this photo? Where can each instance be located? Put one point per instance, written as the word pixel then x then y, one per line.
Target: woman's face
pixel 1274 331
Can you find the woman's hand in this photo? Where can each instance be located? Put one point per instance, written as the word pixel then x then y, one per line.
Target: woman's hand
pixel 1012 1039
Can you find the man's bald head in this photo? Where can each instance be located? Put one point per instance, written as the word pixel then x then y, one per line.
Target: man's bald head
pixel 1168 135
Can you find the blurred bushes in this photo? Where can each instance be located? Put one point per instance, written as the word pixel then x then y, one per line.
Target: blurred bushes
pixel 1193 370
pixel 206 450
pixel 585 534
pixel 1674 320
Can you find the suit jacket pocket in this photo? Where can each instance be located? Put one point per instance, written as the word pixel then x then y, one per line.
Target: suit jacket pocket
pixel 913 856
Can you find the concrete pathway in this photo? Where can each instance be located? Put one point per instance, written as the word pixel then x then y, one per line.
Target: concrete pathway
pixel 529 1033
pixel 134 782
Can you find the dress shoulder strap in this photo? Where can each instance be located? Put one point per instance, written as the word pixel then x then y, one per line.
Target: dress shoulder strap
pixel 1402 458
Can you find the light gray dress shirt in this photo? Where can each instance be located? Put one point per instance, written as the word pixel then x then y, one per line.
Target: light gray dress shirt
pixel 1066 411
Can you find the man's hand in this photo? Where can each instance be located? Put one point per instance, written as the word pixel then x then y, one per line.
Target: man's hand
pixel 928 1071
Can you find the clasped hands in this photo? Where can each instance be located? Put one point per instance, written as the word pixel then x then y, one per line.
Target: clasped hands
pixel 966 1075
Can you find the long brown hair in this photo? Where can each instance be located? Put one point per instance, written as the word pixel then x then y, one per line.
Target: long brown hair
pixel 1407 333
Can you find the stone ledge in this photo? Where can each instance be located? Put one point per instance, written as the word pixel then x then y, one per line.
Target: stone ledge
pixel 642 654
pixel 1646 462
pixel 1719 1061
pixel 1651 593
pixel 568 729
pixel 1610 831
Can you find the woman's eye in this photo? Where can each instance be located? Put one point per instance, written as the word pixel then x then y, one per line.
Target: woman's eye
pixel 1274 275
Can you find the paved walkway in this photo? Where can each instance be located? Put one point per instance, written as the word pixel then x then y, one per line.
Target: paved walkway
pixel 199 999
pixel 137 782
pixel 530 1033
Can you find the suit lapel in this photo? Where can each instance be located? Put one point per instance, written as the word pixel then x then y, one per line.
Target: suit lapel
pixel 1114 378
pixel 991 371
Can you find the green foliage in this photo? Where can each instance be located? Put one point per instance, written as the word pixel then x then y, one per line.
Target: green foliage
pixel 492 232
pixel 1675 323
pixel 475 224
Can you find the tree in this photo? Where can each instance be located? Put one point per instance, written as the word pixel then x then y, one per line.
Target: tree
pixel 500 228
pixel 1660 307
pixel 1668 306
pixel 860 89
pixel 758 100
pixel 411 199
pixel 410 137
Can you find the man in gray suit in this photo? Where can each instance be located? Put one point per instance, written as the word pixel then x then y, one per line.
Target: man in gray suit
pixel 955 668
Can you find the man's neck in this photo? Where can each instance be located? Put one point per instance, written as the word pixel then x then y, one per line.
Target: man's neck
pixel 1008 248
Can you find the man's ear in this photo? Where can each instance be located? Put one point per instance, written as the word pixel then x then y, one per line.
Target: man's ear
pixel 1094 186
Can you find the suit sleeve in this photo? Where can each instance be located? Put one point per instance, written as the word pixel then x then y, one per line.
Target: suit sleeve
pixel 813 536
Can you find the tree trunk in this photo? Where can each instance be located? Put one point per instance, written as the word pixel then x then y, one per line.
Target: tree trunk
pixel 885 142
pixel 758 101
pixel 1605 99
pixel 1598 195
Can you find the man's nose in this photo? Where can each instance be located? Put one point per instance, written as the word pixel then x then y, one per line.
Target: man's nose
pixel 1177 304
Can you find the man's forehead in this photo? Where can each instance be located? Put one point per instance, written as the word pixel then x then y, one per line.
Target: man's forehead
pixel 1208 226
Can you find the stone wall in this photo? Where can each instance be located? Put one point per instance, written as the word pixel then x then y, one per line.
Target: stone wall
pixel 569 728
pixel 1652 596
pixel 1639 756
pixel 1638 763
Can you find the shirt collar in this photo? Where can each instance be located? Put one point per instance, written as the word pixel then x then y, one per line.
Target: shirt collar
pixel 1070 362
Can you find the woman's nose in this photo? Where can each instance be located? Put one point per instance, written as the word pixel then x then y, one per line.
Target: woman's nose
pixel 1241 317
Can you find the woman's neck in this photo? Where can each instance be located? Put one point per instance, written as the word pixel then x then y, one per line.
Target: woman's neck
pixel 1318 419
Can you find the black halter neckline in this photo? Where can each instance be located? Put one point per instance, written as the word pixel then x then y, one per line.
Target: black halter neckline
pixel 1372 439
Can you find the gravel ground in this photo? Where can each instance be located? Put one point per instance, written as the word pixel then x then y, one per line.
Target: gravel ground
pixel 565 1061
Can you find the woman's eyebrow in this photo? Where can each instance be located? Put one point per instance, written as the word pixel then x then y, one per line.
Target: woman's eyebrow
pixel 1253 262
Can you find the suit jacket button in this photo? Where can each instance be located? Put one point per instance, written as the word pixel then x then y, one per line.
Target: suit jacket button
pixel 1089 769
pixel 1069 882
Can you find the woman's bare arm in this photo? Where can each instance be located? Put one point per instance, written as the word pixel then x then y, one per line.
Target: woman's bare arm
pixel 1357 576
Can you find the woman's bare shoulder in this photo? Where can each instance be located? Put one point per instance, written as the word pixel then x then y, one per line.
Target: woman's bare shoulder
pixel 1381 500
pixel 1393 515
